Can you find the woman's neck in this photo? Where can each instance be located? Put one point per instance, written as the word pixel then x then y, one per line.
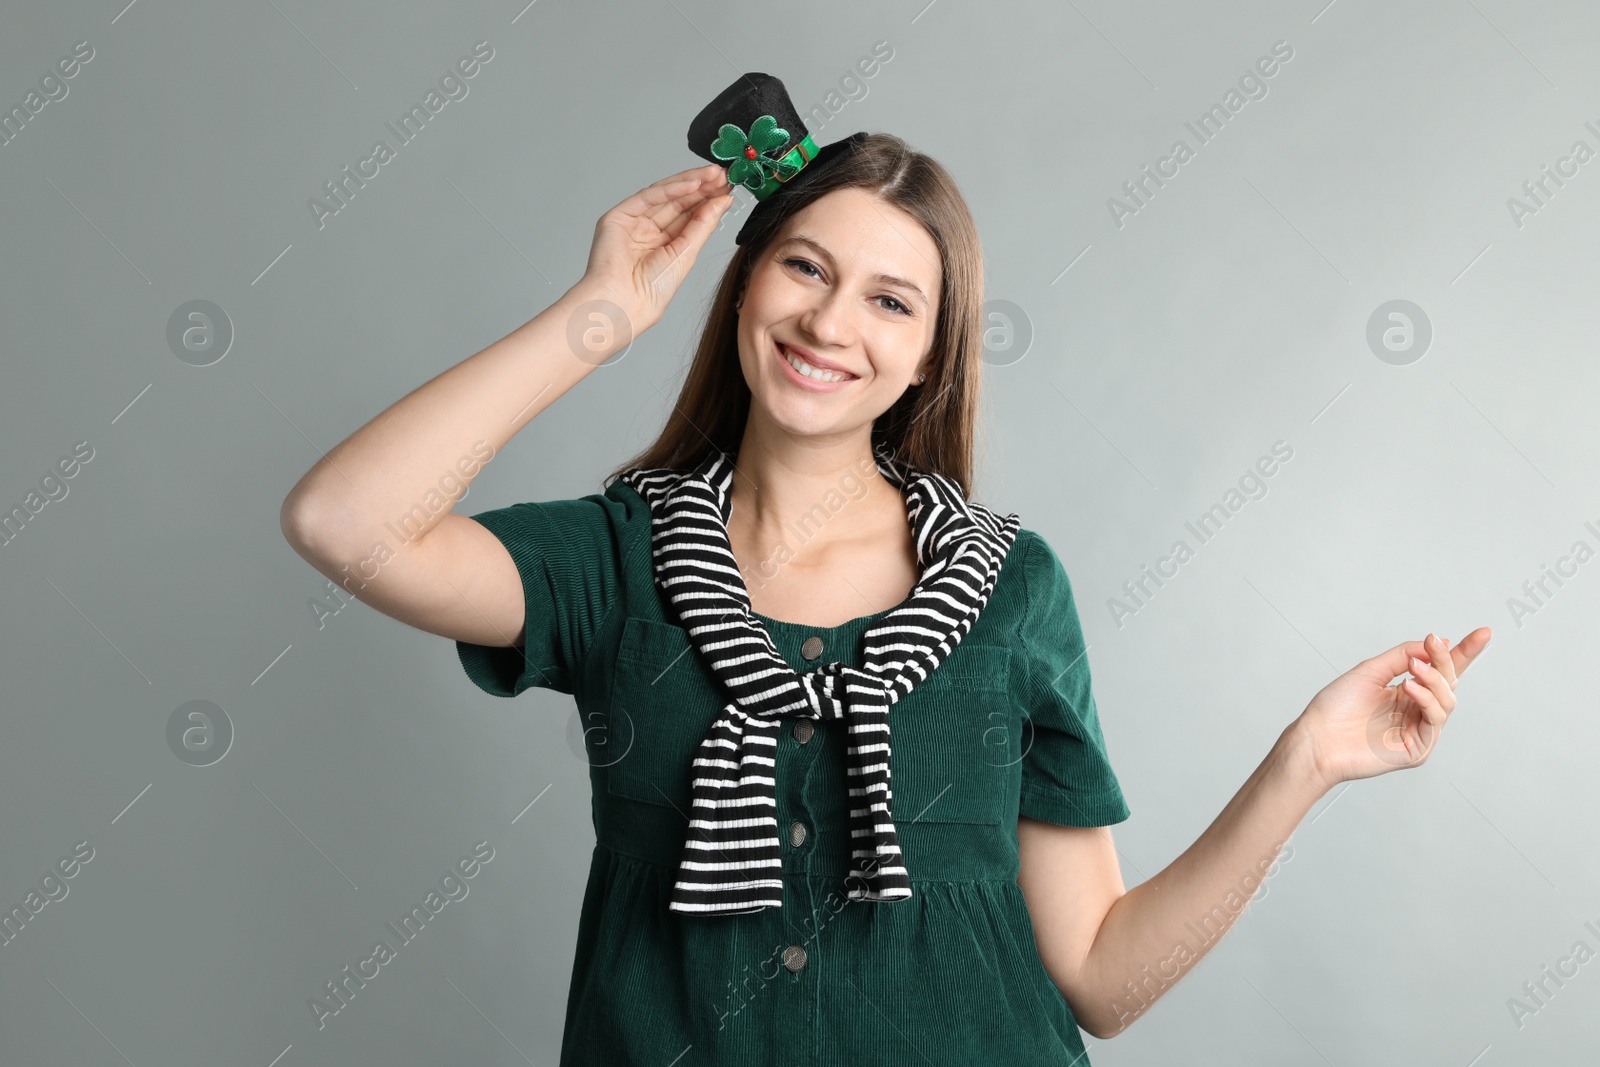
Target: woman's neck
pixel 809 497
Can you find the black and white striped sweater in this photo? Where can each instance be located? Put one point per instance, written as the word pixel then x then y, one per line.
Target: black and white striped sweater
pixel 731 860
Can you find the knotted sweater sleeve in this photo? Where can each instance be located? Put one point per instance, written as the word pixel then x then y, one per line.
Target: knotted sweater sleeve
pixel 570 555
pixel 1066 773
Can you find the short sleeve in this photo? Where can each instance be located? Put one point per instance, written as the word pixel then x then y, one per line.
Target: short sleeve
pixel 1066 774
pixel 570 556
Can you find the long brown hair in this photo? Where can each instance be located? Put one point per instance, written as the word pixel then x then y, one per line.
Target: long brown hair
pixel 932 425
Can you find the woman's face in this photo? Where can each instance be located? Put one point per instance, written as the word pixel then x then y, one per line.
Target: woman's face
pixel 850 284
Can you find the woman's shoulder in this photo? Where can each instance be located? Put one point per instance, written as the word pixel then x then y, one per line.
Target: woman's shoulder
pixel 1041 577
pixel 1025 547
pixel 618 510
pixel 1006 609
pixel 630 506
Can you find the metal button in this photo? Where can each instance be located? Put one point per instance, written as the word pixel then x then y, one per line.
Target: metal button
pixel 812 647
pixel 797 834
pixel 794 957
pixel 803 730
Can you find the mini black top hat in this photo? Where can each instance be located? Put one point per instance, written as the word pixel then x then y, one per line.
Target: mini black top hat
pixel 754 128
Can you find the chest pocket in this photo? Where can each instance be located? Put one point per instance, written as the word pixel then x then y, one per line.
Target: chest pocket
pixel 663 701
pixel 952 741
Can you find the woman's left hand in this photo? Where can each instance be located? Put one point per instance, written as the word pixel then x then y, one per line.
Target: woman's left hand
pixel 1359 725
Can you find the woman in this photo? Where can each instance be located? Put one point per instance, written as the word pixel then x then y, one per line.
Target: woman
pixel 841 343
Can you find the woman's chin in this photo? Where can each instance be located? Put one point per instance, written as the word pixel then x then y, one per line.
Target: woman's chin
pixel 802 412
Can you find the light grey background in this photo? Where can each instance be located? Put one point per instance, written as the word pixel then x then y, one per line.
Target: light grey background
pixel 1228 313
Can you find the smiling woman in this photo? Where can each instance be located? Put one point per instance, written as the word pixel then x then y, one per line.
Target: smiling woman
pixel 874 781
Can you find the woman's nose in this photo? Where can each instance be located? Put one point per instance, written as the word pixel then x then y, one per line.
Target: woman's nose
pixel 828 319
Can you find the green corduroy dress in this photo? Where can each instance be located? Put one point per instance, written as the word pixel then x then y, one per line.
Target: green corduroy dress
pixel 1006 726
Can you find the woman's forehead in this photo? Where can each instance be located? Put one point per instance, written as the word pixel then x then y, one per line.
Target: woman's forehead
pixel 859 232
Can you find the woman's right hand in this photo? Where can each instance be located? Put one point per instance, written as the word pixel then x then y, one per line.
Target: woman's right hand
pixel 644 247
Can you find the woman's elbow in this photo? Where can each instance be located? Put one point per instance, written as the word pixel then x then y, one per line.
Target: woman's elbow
pixel 1102 1031
pixel 295 521
pixel 1100 1024
pixel 308 524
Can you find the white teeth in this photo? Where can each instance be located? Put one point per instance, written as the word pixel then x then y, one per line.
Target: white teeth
pixel 809 371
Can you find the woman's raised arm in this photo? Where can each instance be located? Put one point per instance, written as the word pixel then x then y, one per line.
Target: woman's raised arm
pixel 374 514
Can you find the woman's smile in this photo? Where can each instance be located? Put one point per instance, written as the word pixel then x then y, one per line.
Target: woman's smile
pixel 810 376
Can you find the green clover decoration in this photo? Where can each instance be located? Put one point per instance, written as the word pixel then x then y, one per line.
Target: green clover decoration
pixel 753 161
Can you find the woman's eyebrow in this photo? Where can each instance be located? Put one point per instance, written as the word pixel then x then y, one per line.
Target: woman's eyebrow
pixel 892 279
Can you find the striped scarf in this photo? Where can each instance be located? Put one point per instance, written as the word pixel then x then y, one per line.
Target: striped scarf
pixel 731 862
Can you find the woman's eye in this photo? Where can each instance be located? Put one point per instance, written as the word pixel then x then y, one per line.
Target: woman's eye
pixel 899 308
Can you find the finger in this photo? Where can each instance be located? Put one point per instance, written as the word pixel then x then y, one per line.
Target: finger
pixel 699 226
pixel 684 248
pixel 1469 648
pixel 651 197
pixel 1385 666
pixel 668 209
pixel 1426 702
pixel 670 215
pixel 1396 661
pixel 672 225
pixel 697 186
pixel 1439 659
pixel 674 228
pixel 1436 682
pixel 693 172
